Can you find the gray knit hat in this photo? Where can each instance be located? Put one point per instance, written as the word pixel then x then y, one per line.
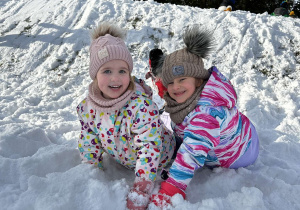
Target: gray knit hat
pixel 188 61
pixel 108 45
pixel 183 63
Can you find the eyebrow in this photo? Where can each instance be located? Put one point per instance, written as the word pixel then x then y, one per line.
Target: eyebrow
pixel 121 68
pixel 124 67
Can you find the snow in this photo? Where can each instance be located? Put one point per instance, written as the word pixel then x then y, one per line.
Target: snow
pixel 44 49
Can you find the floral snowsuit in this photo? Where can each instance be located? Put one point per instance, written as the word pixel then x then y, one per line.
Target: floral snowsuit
pixel 133 135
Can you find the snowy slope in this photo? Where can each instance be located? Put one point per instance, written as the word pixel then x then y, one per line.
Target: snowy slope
pixel 44 74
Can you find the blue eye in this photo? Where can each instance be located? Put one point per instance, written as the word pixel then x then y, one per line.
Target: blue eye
pixel 107 71
pixel 122 72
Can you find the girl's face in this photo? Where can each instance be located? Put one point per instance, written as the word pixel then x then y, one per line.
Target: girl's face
pixel 113 78
pixel 182 88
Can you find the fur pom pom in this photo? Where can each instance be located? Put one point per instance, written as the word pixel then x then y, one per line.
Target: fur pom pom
pixel 198 42
pixel 156 57
pixel 108 28
pixel 158 68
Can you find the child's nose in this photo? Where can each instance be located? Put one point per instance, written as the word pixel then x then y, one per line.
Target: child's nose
pixel 176 86
pixel 114 78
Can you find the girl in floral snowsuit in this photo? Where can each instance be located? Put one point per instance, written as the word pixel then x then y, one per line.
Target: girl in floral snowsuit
pixel 118 116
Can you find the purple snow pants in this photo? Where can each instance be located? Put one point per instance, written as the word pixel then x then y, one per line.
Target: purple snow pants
pixel 251 153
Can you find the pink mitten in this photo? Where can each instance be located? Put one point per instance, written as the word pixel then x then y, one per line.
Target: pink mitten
pixel 139 196
pixel 165 193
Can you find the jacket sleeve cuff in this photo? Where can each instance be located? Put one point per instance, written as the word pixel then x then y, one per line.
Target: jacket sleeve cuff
pixel 170 190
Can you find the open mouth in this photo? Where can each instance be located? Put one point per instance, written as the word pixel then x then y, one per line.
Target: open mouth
pixel 115 86
pixel 179 93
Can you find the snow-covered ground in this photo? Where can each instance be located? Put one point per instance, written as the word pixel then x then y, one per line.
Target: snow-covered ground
pixel 44 75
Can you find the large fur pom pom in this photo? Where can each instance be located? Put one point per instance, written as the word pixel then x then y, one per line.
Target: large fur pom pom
pixel 156 57
pixel 198 41
pixel 107 28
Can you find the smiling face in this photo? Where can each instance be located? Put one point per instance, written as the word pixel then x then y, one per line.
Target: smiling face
pixel 113 78
pixel 182 88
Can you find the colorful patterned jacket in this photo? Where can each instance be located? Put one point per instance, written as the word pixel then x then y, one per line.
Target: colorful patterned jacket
pixel 215 133
pixel 134 135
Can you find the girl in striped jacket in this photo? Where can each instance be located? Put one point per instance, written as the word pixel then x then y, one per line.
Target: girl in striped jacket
pixel 205 119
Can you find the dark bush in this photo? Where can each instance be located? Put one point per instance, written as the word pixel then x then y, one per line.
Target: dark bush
pixel 254 6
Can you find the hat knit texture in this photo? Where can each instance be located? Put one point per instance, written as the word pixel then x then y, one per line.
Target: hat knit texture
pixel 106 48
pixel 182 63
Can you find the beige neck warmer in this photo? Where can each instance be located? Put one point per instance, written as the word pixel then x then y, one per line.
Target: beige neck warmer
pixel 102 104
pixel 178 111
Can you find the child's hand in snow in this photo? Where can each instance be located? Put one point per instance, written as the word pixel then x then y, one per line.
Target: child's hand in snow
pixel 139 196
pixel 167 190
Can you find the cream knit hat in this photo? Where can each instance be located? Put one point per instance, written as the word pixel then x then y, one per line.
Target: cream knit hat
pixel 106 47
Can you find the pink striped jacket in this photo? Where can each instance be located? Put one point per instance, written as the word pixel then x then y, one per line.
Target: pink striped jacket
pixel 215 133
